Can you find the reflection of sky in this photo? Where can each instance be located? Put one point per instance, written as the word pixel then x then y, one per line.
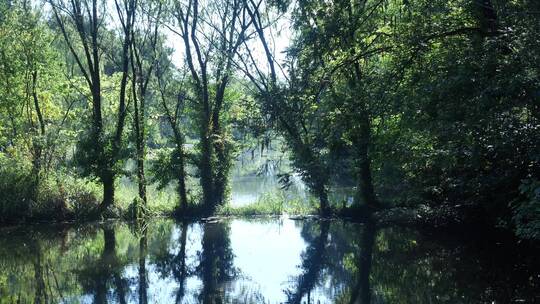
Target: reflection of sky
pixel 267 254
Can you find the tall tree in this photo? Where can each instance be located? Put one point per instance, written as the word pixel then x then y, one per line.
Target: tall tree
pixel 172 98
pixel 210 38
pixel 87 19
pixel 286 105
pixel 143 59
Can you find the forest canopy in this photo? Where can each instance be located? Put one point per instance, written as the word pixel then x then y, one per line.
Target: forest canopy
pixel 409 104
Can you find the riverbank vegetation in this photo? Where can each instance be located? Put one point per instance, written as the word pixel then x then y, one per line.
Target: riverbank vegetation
pixel 417 105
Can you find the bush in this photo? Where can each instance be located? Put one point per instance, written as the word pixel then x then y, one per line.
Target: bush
pixel 17 188
pixel 26 194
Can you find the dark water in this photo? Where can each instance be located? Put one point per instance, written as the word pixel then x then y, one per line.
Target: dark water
pixel 259 261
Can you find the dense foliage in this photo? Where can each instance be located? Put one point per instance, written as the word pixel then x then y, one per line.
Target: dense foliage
pixel 404 103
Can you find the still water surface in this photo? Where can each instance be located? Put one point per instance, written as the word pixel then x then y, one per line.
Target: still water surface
pixel 265 260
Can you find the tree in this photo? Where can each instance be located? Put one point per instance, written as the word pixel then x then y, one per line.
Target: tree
pixel 287 108
pixel 143 59
pixel 86 18
pixel 211 37
pixel 172 166
pixel 36 101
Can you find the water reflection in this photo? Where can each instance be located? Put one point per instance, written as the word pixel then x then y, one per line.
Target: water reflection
pixel 361 293
pixel 215 263
pixel 102 277
pixel 313 261
pixel 258 261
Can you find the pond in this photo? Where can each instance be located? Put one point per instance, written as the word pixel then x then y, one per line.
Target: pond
pixel 261 260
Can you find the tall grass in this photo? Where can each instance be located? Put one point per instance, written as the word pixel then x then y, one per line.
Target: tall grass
pixel 270 203
pixel 160 202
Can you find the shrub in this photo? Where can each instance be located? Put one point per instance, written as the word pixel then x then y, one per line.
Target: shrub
pixel 17 187
pixel 26 194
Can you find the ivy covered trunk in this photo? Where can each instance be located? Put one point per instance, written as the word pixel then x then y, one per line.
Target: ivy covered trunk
pixel 206 172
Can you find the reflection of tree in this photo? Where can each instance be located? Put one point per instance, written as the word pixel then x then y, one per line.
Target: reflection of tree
pixel 421 268
pixel 143 283
pixel 41 291
pixel 26 273
pixel 95 276
pixel 172 262
pixel 180 270
pixel 215 262
pixel 313 261
pixel 37 265
pixel 361 293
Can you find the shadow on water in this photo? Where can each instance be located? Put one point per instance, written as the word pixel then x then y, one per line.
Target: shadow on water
pixel 259 261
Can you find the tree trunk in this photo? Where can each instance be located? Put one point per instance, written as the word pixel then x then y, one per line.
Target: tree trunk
pixel 206 172
pixel 324 208
pixel 221 169
pixel 365 194
pixel 220 146
pixel 220 177
pixel 182 179
pixel 108 190
pixel 140 147
pixel 38 148
pixel 141 178
pixel 180 155
pixel 488 19
pixel 138 123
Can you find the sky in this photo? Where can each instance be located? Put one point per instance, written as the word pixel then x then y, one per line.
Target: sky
pixel 280 32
